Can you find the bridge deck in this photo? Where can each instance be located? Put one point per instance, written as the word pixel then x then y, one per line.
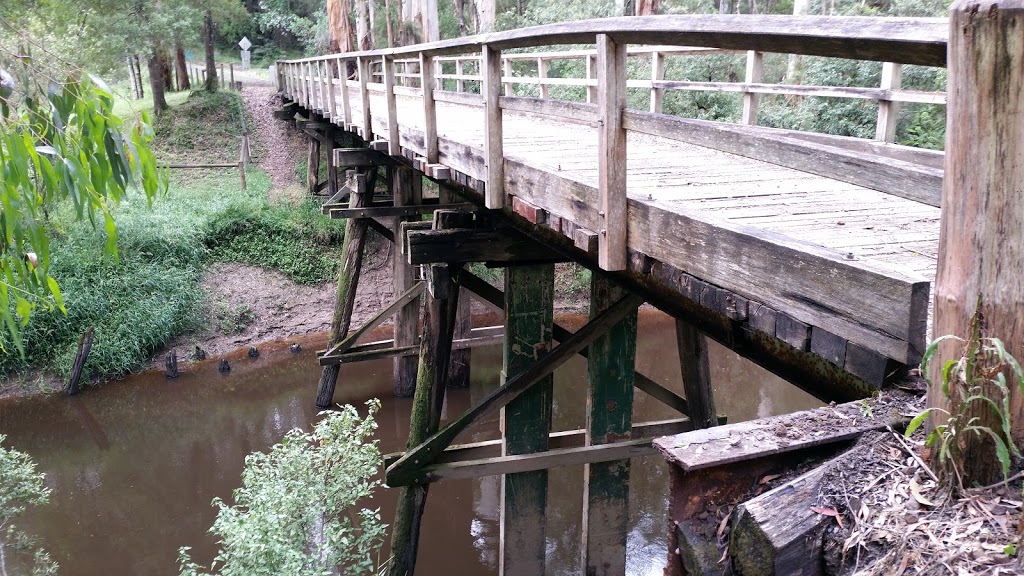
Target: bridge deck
pixel 846 269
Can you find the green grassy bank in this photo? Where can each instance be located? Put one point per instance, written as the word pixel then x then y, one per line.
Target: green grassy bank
pixel 151 294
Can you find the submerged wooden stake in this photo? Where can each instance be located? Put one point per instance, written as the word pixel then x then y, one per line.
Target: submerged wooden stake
pixel 435 350
pixel 693 360
pixel 526 420
pixel 348 279
pixel 611 362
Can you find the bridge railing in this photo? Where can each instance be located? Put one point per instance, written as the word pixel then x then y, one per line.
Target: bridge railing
pixel 314 83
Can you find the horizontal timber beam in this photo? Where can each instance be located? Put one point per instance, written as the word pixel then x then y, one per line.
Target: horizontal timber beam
pixel 489 336
pixel 466 245
pixel 393 211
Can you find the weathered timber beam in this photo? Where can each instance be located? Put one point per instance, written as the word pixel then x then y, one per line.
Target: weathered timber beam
pixel 387 348
pixel 905 40
pixel 409 295
pixel 921 183
pixel 425 453
pixel 518 463
pixel 464 245
pixel 561 439
pixel 496 298
pixel 359 158
pixel 393 211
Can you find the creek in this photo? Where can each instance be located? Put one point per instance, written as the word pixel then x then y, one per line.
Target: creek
pixel 134 464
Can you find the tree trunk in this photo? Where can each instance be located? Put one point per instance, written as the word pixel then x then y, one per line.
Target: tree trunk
pixel 460 17
pixel 363 39
pixel 181 67
pixel 486 10
pixel 388 23
pixel 155 66
pixel 211 61
pixel 648 7
pixel 800 8
pixel 141 93
pixel 134 75
pixel 981 237
pixel 165 71
pixel 431 27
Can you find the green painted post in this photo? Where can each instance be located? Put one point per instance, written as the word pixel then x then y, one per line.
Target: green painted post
pixel 526 421
pixel 610 370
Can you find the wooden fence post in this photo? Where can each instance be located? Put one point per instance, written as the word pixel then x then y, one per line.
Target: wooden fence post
pixel 509 87
pixel 526 420
pixel 611 371
pixel 494 156
pixel 981 237
pixel 611 155
pixel 542 74
pixel 231 70
pixel 388 70
pixel 888 111
pixel 755 65
pixel 364 97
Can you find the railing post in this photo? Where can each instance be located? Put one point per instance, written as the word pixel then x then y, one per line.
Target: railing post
pixel 460 84
pixel 494 156
pixel 323 80
pixel 755 64
pixel 591 90
pixel 332 99
pixel 888 111
pixel 388 70
pixel 346 108
pixel 611 152
pixel 657 75
pixel 542 73
pixel 438 70
pixel 508 74
pixel 429 110
pixel 310 95
pixel 364 97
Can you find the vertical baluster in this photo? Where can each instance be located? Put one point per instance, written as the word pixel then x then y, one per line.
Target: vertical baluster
pixel 591 90
pixel 429 109
pixel 508 74
pixel 346 108
pixel 755 62
pixel 657 75
pixel 364 97
pixel 388 71
pixel 460 84
pixel 888 111
pixel 490 88
pixel 542 74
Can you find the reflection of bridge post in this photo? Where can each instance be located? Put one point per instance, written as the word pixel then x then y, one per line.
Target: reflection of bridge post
pixel 611 369
pixel 526 420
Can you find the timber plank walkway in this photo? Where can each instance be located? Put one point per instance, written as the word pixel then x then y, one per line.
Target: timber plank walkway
pixel 824 243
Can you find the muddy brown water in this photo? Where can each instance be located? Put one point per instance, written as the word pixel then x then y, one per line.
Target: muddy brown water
pixel 133 465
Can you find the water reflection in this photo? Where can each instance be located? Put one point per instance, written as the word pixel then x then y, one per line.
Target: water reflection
pixel 134 465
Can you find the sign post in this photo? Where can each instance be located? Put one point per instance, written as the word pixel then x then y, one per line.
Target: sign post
pixel 245 44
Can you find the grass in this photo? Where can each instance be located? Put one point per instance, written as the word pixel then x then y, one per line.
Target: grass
pixel 151 294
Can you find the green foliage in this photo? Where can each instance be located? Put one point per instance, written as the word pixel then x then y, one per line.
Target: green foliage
pixel 977 377
pixel 232 320
pixel 59 142
pixel 208 125
pixel 299 242
pixel 21 486
pixel 304 20
pixel 295 512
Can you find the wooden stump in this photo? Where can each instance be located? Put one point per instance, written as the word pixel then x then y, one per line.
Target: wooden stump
pixel 171 364
pixel 84 347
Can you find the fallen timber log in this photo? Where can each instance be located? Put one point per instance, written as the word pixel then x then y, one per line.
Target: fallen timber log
pixel 714 468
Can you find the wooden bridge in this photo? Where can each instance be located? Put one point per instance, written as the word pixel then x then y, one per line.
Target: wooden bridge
pixel 807 253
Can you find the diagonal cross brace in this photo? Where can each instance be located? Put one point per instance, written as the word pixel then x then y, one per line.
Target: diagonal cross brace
pixel 494 297
pixel 407 467
pixel 411 294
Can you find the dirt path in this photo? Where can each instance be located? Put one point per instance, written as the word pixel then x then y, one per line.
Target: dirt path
pixel 246 305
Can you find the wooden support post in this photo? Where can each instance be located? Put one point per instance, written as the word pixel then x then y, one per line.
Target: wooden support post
pixel 313 166
pixel 388 68
pixel 435 348
pixel 693 360
pixel 542 74
pixel 429 109
pixel 458 374
pixel 348 279
pixel 332 170
pixel 494 156
pixel 364 97
pixel 526 420
pixel 755 65
pixel 981 237
pixel 611 153
pixel 888 111
pixel 406 189
pixel 657 75
pixel 610 369
pixel 346 108
pixel 231 69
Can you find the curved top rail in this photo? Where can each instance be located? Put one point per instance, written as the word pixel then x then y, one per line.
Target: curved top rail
pixel 902 40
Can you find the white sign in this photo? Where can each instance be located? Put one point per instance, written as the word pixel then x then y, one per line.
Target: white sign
pixel 244 43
